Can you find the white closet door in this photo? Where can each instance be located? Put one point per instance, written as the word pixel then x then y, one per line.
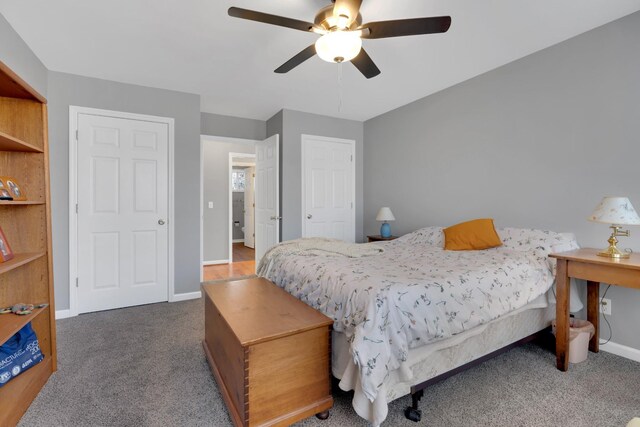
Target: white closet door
pixel 328 188
pixel 267 196
pixel 122 212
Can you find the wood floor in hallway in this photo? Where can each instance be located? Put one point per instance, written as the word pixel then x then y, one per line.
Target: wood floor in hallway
pixel 243 264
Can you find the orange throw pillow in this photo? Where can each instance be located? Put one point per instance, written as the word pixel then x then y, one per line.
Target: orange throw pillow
pixel 471 236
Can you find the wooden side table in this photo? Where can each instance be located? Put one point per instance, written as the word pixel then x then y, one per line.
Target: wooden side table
pixel 587 265
pixel 379 238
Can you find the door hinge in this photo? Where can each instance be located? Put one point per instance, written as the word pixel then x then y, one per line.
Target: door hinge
pixel 76 282
pixel 352 157
pixel 76 134
pixel 351 205
pixel 76 208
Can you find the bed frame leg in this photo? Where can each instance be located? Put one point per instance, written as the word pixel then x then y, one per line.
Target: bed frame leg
pixel 412 412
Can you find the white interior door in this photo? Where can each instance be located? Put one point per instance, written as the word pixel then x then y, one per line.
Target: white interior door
pixel 267 211
pixel 122 184
pixel 249 201
pixel 328 188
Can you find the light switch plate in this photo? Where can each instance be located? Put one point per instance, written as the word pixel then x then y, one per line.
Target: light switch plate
pixel 210 205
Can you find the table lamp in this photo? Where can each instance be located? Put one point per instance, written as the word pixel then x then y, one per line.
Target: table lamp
pixel 616 211
pixel 385 215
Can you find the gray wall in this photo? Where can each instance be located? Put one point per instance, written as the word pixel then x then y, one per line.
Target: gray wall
pixel 66 90
pixel 275 124
pixel 15 53
pixel 536 143
pixel 216 221
pixel 291 125
pixel 233 127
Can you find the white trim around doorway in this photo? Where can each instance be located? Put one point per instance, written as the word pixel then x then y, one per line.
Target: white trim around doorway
pixel 74 111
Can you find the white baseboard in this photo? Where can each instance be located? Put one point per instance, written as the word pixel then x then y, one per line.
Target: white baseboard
pixel 186 296
pixel 621 350
pixel 238 240
pixel 216 262
pixel 62 314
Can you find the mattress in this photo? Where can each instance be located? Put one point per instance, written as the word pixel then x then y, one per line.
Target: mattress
pixel 431 360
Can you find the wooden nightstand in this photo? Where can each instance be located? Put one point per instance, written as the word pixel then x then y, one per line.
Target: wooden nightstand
pixel 379 238
pixel 587 265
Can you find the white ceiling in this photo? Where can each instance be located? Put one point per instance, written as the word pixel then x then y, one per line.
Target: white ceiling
pixel 193 46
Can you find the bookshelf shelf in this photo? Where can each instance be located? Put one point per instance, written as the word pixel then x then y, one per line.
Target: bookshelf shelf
pixel 18 261
pixel 9 143
pixel 11 323
pixel 19 202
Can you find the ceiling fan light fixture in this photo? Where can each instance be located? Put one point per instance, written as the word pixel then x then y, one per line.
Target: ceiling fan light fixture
pixel 339 46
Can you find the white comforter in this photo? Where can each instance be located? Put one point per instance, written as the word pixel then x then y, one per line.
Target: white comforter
pixel 414 292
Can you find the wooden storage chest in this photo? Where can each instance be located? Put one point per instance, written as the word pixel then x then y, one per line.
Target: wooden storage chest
pixel 269 352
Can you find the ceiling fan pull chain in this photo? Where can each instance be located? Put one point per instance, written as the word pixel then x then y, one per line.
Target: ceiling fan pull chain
pixel 340 87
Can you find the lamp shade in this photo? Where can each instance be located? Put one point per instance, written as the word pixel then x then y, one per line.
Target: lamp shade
pixel 615 210
pixel 385 214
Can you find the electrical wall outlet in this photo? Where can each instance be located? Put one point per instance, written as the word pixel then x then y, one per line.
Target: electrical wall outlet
pixel 605 306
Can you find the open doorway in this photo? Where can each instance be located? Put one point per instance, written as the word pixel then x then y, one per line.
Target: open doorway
pixel 242 177
pixel 237 227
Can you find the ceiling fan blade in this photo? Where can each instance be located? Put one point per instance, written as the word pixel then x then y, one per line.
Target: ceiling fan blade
pixel 349 8
pixel 297 60
pixel 365 64
pixel 406 27
pixel 266 18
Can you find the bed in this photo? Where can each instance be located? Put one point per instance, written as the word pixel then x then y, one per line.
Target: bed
pixel 407 311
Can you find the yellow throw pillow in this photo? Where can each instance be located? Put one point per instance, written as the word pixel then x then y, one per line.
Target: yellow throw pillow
pixel 471 236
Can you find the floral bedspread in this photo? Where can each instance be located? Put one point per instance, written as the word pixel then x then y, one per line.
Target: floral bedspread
pixel 416 293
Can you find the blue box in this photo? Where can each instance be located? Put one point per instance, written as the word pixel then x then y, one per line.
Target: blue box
pixel 19 353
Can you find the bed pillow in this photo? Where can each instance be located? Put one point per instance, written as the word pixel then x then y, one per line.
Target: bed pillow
pixel 539 242
pixel 431 236
pixel 471 236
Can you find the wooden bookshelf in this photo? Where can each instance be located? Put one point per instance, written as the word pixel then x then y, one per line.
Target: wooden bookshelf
pixel 28 277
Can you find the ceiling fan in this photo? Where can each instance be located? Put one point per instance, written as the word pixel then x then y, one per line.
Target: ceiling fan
pixel 341 29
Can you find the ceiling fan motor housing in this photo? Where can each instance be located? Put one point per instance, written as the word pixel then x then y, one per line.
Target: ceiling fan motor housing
pixel 327 20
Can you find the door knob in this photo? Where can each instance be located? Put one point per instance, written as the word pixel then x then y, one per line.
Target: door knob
pixel 309 216
pixel 275 218
pixel 161 221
